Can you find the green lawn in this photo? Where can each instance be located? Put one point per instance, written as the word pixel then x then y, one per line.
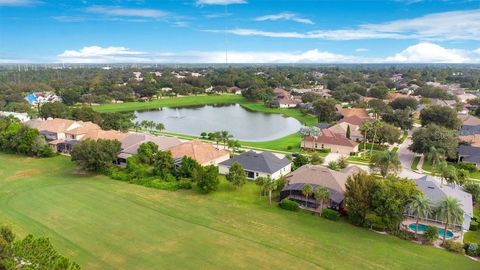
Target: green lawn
pixel 427 166
pixel 107 224
pixel 473 236
pixel 415 162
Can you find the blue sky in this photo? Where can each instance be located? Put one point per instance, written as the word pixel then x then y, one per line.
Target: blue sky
pixel 281 31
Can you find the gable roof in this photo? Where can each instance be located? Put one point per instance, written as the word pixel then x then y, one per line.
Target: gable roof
pixel 436 192
pixel 105 134
pixel 469 130
pixel 317 175
pixel 355 120
pixel 265 162
pixel 59 125
pixel 198 150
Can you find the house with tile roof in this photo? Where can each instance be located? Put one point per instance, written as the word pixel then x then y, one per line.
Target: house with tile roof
pixel 204 153
pixel 327 139
pixel 284 99
pixel 470 135
pixel 318 176
pixel 469 120
pixel 264 164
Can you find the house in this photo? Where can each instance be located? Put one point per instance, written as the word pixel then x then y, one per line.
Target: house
pixel 337 143
pixel 348 112
pixel 284 99
pixel 469 120
pixel 470 134
pixel 132 141
pixel 23 117
pixel 466 97
pixel 341 128
pixel 318 176
pixel 63 134
pixel 444 102
pixel 467 153
pixel 39 98
pixel 436 192
pixel 204 153
pixel 264 164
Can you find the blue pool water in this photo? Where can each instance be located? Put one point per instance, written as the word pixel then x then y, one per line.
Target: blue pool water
pixel 423 227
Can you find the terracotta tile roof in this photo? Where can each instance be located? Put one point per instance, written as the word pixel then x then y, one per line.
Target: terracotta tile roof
pixel 56 125
pixel 469 120
pixel 355 120
pixel 347 112
pixel 342 127
pixel 83 128
pixel 105 134
pixel 198 150
pixel 328 137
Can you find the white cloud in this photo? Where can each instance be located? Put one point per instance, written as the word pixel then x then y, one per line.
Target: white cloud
pixel 419 53
pixel 284 16
pixel 18 2
pixel 454 25
pixel 220 2
pixel 127 12
pixel 361 50
pixel 430 53
pixel 477 51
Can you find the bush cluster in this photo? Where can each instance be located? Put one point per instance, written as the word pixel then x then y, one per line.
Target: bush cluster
pixel 473 226
pixel 374 222
pixel 288 204
pixel 472 249
pixel 454 246
pixel 430 234
pixel 330 214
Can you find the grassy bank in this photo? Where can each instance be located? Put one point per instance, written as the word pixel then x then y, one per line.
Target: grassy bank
pixel 107 224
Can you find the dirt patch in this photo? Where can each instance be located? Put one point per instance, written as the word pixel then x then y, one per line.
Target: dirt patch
pixel 23 174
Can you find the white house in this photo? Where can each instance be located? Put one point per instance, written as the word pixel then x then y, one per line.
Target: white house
pixel 264 164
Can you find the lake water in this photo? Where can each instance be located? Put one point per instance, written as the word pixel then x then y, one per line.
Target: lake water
pixel 241 123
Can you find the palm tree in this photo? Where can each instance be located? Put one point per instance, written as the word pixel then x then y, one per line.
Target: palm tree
pixel 310 132
pixel 234 144
pixel 269 185
pixel 365 128
pixel 375 125
pixel 159 127
pixel 321 194
pixel 421 207
pixel 137 126
pixel 307 190
pixel 450 211
pixel 386 162
pixel 217 137
pixel 225 137
pixel 436 155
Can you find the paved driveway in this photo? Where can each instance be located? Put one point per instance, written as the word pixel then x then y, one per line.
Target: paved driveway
pixel 406 158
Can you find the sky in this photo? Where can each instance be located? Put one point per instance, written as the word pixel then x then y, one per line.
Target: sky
pixel 250 31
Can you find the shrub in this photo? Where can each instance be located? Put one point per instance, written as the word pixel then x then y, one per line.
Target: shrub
pixel 332 165
pixel 430 234
pixel 289 205
pixel 404 234
pixel 374 222
pixel 469 166
pixel 473 226
pixel 289 147
pixel 342 162
pixel 472 249
pixel 324 150
pixel 184 183
pixel 330 214
pixel 454 246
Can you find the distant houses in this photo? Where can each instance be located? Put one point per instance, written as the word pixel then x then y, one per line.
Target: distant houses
pixel 264 164
pixel 470 154
pixel 283 99
pixel 318 176
pixel 39 98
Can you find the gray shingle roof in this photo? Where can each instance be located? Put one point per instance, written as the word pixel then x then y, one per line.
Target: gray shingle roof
pixel 469 153
pixel 261 162
pixel 436 192
pixel 469 130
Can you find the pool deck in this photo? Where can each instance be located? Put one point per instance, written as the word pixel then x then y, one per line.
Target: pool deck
pixel 457 234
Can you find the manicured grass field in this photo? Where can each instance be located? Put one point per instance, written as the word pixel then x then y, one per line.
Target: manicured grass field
pixel 473 236
pixel 107 224
pixel 427 166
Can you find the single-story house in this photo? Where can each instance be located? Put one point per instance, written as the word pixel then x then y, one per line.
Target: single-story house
pixel 337 143
pixel 318 176
pixel 264 164
pixel 133 140
pixel 469 120
pixel 433 190
pixel 204 153
pixel 467 153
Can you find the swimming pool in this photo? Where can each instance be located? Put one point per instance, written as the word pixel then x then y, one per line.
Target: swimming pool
pixel 423 227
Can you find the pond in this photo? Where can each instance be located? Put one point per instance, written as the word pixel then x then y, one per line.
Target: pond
pixel 243 124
